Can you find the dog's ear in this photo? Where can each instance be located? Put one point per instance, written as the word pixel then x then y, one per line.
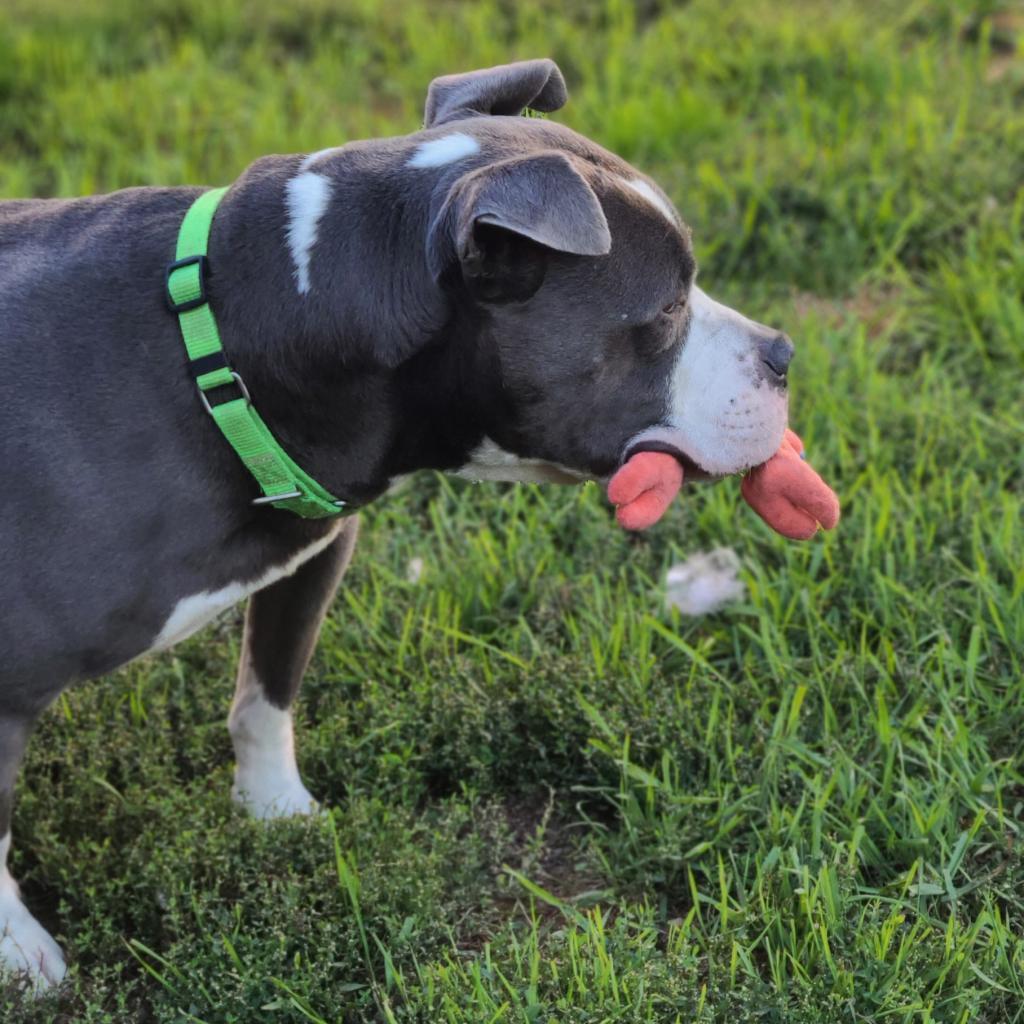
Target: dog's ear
pixel 505 89
pixel 501 221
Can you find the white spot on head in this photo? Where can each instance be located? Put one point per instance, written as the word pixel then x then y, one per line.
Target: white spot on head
pixel 25 945
pixel 306 197
pixel 726 416
pixel 489 461
pixel 646 191
pixel 445 150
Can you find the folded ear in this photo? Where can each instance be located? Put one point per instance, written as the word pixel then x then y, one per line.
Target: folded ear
pixel 505 89
pixel 499 221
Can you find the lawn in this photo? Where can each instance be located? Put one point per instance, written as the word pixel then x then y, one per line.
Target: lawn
pixel 549 798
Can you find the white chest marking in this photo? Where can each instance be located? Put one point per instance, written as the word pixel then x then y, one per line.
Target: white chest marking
pixel 446 150
pixel 306 197
pixel 489 461
pixel 643 189
pixel 192 613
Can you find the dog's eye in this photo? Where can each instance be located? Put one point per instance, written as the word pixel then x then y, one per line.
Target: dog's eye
pixel 673 307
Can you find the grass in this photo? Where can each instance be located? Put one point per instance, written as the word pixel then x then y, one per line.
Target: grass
pixel 548 798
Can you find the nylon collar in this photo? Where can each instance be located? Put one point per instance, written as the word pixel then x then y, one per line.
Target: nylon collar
pixel 283 483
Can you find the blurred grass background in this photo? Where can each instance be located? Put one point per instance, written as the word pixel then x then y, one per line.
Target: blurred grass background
pixel 550 799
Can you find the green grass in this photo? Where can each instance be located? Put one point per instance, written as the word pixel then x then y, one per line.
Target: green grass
pixel 549 799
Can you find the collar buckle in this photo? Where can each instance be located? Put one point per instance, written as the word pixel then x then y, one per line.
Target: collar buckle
pixel 183 285
pixel 272 499
pixel 237 378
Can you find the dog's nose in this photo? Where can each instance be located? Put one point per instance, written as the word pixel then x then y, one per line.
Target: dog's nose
pixel 776 354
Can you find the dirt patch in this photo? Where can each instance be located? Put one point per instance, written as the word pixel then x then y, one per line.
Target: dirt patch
pixel 877 306
pixel 1000 66
pixel 542 843
pixel 546 848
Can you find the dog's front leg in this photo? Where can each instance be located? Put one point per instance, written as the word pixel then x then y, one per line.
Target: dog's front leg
pixel 281 628
pixel 25 945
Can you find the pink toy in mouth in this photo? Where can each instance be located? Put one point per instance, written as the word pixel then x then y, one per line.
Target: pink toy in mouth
pixel 784 491
pixel 644 487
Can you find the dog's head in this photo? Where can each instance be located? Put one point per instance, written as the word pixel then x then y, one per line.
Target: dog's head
pixel 577 275
pixel 544 285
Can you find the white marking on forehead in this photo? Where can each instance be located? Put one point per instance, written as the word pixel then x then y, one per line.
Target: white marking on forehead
pixel 306 197
pixel 193 612
pixel 643 188
pixel 446 150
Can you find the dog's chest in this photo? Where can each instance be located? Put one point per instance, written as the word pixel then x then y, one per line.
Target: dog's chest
pixel 193 612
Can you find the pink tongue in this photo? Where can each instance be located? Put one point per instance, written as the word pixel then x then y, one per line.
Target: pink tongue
pixel 643 488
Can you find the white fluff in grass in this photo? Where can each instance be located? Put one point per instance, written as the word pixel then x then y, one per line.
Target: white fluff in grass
pixel 705 582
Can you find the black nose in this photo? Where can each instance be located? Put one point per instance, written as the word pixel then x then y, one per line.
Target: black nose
pixel 776 354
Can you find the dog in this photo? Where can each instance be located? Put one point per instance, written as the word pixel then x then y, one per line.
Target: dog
pixel 494 296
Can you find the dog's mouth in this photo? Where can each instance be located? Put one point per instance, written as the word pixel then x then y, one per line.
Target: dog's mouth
pixel 690 468
pixel 663 440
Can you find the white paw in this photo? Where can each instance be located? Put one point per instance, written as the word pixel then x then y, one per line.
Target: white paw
pixel 26 946
pixel 283 800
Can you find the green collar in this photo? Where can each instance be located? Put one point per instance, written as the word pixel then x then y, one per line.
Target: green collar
pixel 283 483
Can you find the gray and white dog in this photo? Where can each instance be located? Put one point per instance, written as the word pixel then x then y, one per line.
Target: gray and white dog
pixel 493 295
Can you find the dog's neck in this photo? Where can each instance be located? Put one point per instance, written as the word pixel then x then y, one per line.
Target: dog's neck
pixel 360 375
